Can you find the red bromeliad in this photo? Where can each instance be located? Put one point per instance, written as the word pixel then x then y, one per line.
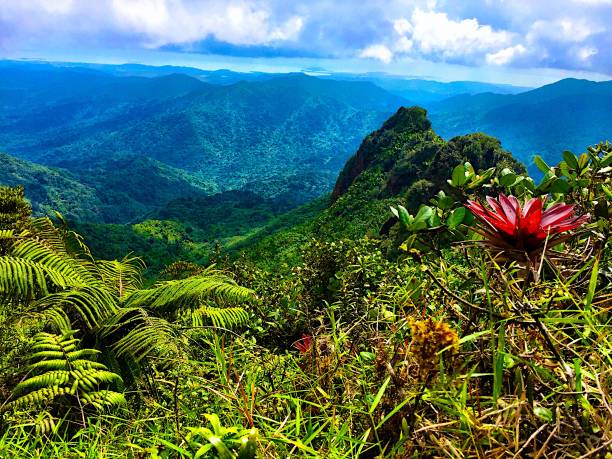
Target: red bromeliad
pixel 508 227
pixel 303 345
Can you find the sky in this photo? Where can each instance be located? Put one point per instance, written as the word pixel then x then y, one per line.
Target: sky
pixel 522 42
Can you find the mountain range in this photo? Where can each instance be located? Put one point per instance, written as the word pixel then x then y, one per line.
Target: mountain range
pixel 86 122
pixel 128 140
pixel 570 114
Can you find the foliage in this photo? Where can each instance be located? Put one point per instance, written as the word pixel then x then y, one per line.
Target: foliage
pixel 128 145
pixel 532 121
pixel 14 210
pixel 67 378
pixel 364 332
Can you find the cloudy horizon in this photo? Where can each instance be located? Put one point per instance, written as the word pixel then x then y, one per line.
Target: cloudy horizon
pixel 518 42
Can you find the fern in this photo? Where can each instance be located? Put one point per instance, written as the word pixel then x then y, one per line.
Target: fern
pixel 88 305
pixel 137 334
pixel 7 234
pixel 211 284
pixel 66 377
pixel 219 317
pixel 23 280
pixel 122 277
pixel 62 262
pixel 50 276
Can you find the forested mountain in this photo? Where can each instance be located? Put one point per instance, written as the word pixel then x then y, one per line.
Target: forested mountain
pixel 404 162
pixel 123 191
pixel 566 115
pixel 84 120
pixel 424 92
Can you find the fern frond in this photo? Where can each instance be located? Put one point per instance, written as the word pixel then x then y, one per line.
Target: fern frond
pixel 43 230
pixel 7 234
pixel 190 292
pixel 47 379
pixel 137 334
pixel 104 398
pixel 122 277
pixel 24 280
pixel 219 317
pixel 91 305
pixel 37 251
pixel 62 370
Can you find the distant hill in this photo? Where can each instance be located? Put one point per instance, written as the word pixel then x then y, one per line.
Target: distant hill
pixel 51 189
pixel 137 186
pixel 84 119
pixel 422 91
pixel 569 114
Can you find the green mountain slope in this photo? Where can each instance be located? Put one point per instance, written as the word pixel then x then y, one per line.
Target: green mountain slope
pixel 404 162
pixel 231 135
pixel 50 189
pixel 136 186
pixel 565 115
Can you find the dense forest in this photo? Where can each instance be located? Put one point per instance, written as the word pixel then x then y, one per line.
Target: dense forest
pixel 440 299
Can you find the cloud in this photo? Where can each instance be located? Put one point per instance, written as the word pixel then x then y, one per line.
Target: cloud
pixel 435 33
pixel 512 33
pixel 152 23
pixel 506 55
pixel 379 52
pixel 585 53
pixel 562 30
pixel 164 22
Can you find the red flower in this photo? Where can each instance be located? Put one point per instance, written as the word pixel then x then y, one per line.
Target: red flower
pixel 507 226
pixel 303 345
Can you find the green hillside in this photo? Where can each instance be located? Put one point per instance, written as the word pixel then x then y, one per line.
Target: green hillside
pixel 566 115
pixel 124 191
pixel 438 300
pixel 279 128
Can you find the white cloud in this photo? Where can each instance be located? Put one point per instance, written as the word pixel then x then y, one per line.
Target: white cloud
pixel 403 45
pixel 164 22
pixel 436 33
pixel 586 52
pixel 506 55
pixel 562 30
pixel 402 26
pixel 379 52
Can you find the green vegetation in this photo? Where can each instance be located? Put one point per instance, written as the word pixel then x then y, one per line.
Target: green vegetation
pixel 135 187
pixel 365 324
pixel 135 143
pixel 567 114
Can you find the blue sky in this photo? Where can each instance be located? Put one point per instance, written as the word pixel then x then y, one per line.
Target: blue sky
pixel 525 42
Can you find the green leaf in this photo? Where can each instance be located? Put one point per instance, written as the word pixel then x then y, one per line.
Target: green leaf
pixel 404 216
pixel 379 395
pixel 458 178
pixel 456 217
pixel 544 414
pixel 367 356
pixel 424 214
pixel 570 159
pixel 498 369
pixel 507 180
pixel 541 164
pixel 592 285
pixel 443 201
pixel 560 186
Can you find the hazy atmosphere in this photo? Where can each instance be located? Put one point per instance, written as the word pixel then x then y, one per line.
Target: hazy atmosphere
pixel 526 42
